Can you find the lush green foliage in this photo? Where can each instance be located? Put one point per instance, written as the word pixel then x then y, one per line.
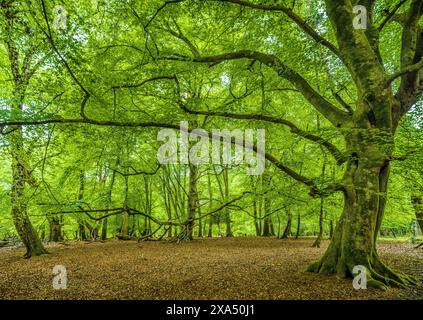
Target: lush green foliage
pixel 110 48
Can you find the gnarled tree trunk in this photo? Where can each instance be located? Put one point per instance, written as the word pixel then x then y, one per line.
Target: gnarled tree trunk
pixel 364 187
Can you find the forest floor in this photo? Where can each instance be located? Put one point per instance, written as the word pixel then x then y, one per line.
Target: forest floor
pixel 221 268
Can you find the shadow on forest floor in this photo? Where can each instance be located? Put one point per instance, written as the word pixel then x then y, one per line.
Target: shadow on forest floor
pixel 225 268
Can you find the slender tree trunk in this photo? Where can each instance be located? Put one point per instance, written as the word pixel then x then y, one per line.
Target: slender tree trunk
pixel 287 231
pixel 192 201
pixel 167 201
pixel 321 216
pixel 297 233
pixel 108 202
pixel 124 230
pixel 228 221
pixel 211 217
pixel 321 211
pixel 254 183
pixel 267 221
pixel 81 224
pixel 200 222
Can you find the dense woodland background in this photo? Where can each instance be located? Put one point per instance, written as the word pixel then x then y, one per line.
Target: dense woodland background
pixel 82 100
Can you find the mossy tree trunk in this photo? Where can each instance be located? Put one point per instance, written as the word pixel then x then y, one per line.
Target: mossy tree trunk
pixel 23 225
pixel 15 30
pixel 369 134
pixel 368 123
pixel 354 238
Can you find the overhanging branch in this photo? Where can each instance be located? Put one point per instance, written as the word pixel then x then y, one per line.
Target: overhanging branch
pixel 293 16
pixel 338 155
pixel 336 116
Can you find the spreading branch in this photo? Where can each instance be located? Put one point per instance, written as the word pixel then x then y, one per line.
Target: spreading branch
pixel 336 116
pixel 293 16
pixel 338 155
pixel 390 15
pixel 411 68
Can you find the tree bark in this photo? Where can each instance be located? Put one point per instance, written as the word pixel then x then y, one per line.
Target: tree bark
pixel 55 233
pixel 287 231
pixel 20 217
pixel 297 234
pixel 81 225
pixel 108 202
pixel 20 172
pixel 354 238
pixel 228 221
pixel 267 227
pixel 192 201
pixel 321 216
pixel 211 217
pixel 417 202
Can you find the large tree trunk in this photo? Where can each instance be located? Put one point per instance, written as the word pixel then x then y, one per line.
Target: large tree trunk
pixel 354 240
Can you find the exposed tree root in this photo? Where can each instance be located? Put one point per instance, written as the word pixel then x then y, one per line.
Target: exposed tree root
pixel 35 252
pixel 317 242
pixel 378 274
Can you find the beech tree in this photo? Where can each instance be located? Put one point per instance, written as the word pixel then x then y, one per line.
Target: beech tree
pixel 368 124
pixel 371 89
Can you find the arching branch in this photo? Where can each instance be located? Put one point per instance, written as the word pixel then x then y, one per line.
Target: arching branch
pixel 336 116
pixel 338 155
pixel 293 16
